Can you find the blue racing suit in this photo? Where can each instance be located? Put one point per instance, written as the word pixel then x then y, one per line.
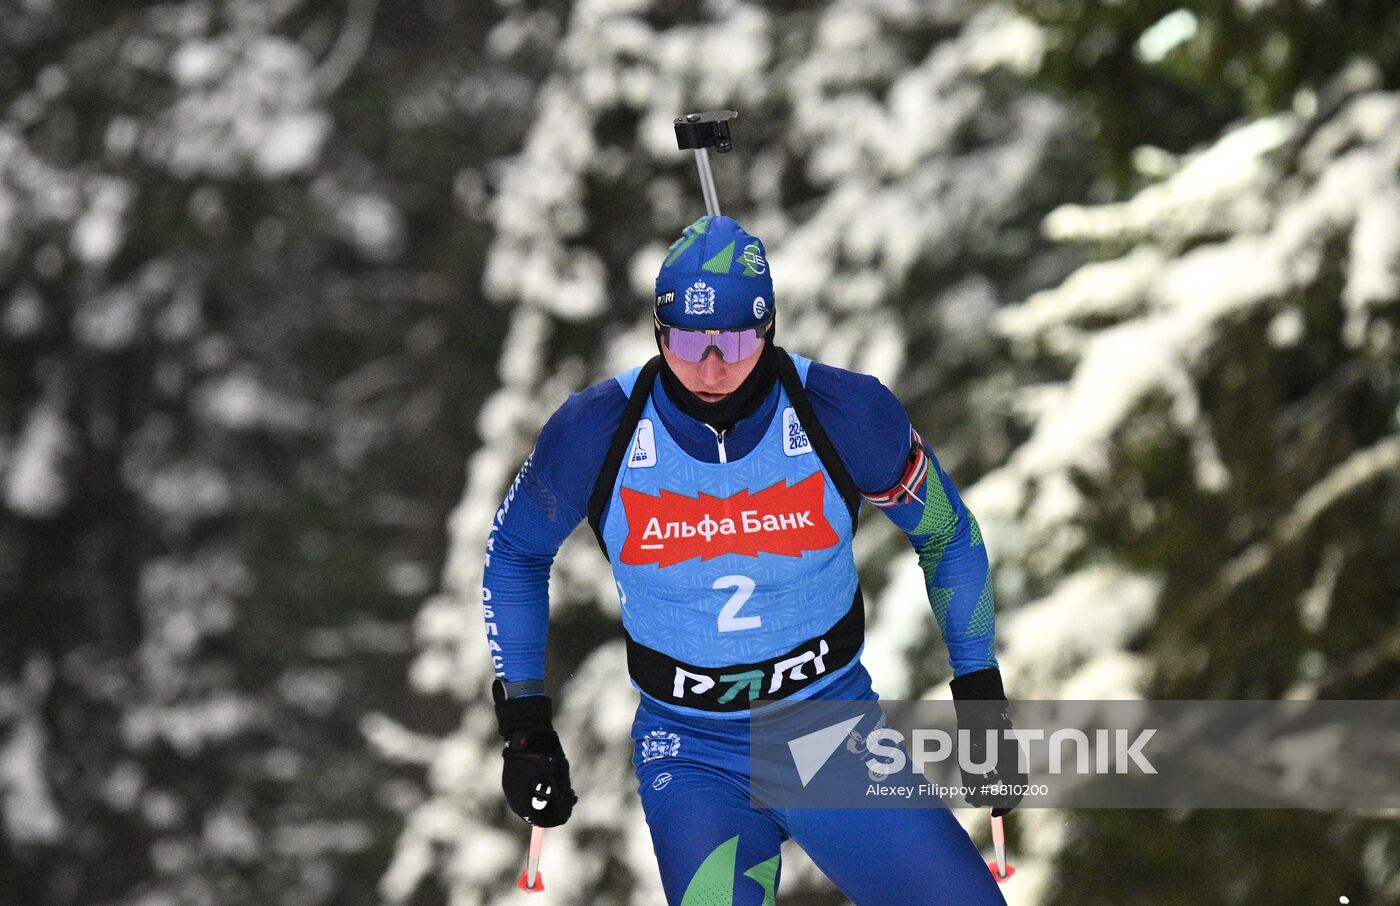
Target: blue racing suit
pixel 732 555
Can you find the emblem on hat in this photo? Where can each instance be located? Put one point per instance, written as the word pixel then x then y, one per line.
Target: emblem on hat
pixel 754 262
pixel 700 299
pixel 760 307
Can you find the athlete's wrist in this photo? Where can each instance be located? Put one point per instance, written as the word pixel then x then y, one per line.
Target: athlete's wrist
pixel 528 714
pixel 979 685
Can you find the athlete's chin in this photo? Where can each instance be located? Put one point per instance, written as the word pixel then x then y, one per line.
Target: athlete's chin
pixel 709 397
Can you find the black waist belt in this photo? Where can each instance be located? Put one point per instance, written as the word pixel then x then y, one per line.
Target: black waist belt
pixel 736 686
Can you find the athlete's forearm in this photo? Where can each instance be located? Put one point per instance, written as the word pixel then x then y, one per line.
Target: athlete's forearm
pixel 925 504
pixel 526 533
pixel 959 585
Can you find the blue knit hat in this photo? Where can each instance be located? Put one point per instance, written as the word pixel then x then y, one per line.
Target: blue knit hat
pixel 715 277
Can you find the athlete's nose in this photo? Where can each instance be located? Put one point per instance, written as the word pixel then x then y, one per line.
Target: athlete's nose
pixel 713 367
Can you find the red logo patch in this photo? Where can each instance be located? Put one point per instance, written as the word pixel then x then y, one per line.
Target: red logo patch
pixel 783 519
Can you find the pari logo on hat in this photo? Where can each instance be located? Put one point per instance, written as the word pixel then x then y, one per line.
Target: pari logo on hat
pixel 720 273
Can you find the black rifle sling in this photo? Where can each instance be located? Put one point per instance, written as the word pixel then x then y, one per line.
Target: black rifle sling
pixel 603 487
pixel 797 394
pixel 816 435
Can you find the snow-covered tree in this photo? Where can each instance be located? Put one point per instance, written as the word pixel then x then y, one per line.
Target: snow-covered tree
pixel 234 283
pixel 1206 504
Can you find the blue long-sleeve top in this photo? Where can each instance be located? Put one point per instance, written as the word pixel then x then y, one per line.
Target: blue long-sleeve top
pixel 873 437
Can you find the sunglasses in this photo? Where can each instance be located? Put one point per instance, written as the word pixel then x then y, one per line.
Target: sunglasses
pixel 692 345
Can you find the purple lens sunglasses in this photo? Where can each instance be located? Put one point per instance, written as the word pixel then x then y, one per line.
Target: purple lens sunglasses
pixel 691 345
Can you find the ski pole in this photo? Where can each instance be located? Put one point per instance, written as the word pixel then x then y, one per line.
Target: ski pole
pixel 699 132
pixel 999 868
pixel 530 880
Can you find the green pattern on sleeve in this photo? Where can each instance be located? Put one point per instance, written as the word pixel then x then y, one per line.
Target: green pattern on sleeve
pixel 938 522
pixel 938 517
pixel 766 874
pixel 956 574
pixel 930 555
pixel 983 614
pixel 713 882
pixel 939 599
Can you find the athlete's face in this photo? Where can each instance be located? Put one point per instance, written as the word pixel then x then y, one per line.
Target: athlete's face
pixel 712 378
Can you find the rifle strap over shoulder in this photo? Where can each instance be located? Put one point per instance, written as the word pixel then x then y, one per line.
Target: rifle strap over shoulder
pixel 602 488
pixel 817 436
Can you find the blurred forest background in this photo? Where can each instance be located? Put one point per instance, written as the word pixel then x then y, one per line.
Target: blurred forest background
pixel 287 288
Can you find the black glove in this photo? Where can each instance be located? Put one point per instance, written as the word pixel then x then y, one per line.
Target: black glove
pixel 981 705
pixel 535 775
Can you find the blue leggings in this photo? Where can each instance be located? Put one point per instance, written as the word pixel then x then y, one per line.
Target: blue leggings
pixel 716 849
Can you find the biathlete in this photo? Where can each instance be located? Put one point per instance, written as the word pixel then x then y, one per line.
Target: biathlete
pixel 723 480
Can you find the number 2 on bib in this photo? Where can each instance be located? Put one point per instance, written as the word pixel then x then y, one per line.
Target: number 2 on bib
pixel 729 619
